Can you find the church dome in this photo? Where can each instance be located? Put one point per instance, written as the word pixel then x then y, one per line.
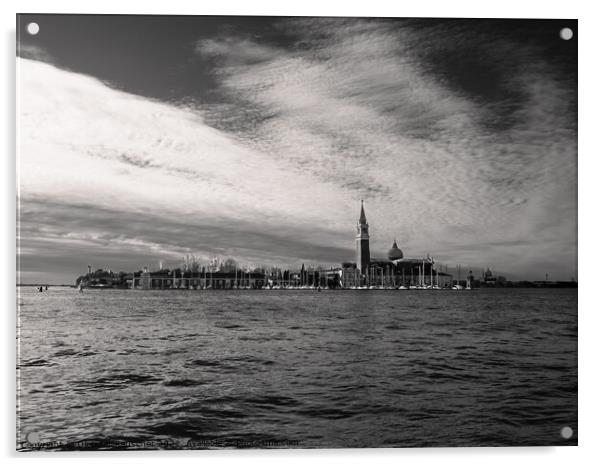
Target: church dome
pixel 394 253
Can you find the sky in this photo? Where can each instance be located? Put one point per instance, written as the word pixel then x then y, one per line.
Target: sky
pixel 145 138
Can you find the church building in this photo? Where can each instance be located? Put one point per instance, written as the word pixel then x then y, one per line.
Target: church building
pixel 392 271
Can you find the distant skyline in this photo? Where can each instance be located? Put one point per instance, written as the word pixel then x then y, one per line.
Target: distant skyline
pixel 144 138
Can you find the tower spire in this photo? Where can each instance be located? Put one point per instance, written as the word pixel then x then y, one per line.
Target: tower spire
pixel 362 214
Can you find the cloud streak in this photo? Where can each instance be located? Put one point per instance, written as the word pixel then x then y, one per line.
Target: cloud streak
pixel 301 129
pixel 360 106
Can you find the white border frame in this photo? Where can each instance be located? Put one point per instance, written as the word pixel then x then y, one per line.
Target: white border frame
pixel 590 320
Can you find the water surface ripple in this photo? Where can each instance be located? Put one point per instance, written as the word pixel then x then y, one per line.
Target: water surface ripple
pixel 215 369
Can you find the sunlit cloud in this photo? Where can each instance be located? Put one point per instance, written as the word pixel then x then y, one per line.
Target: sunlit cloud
pixel 274 170
pixel 359 107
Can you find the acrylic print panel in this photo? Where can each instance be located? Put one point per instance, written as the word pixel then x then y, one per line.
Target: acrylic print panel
pixel 268 232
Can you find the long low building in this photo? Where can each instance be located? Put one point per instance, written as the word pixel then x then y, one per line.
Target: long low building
pixel 394 273
pixel 146 280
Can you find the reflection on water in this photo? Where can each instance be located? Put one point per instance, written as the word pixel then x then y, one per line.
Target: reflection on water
pixel 194 369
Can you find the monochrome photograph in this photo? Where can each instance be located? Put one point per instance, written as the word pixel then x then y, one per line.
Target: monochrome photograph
pixel 268 232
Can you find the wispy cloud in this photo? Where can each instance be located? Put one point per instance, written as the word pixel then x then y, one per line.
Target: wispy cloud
pixel 33 52
pixel 303 128
pixel 359 104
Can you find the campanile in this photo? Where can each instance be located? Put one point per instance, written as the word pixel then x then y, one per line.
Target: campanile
pixel 362 243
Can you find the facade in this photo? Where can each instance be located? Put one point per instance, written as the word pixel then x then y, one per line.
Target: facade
pixel 384 273
pixel 489 279
pixel 199 281
pixel 390 272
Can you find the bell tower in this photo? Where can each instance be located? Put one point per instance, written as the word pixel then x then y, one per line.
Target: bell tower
pixel 362 243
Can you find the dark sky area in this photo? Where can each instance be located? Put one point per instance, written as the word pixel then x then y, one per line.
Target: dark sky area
pixel 154 56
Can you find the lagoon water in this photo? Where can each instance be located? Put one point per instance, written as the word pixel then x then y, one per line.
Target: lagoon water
pixel 110 369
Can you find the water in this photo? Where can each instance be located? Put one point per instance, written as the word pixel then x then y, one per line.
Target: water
pixel 214 369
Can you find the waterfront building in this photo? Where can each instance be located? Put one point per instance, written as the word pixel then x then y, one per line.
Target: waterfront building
pixel 489 279
pixel 145 280
pixel 391 272
pixel 162 280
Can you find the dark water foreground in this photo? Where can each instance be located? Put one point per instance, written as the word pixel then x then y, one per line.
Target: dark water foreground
pixel 191 369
